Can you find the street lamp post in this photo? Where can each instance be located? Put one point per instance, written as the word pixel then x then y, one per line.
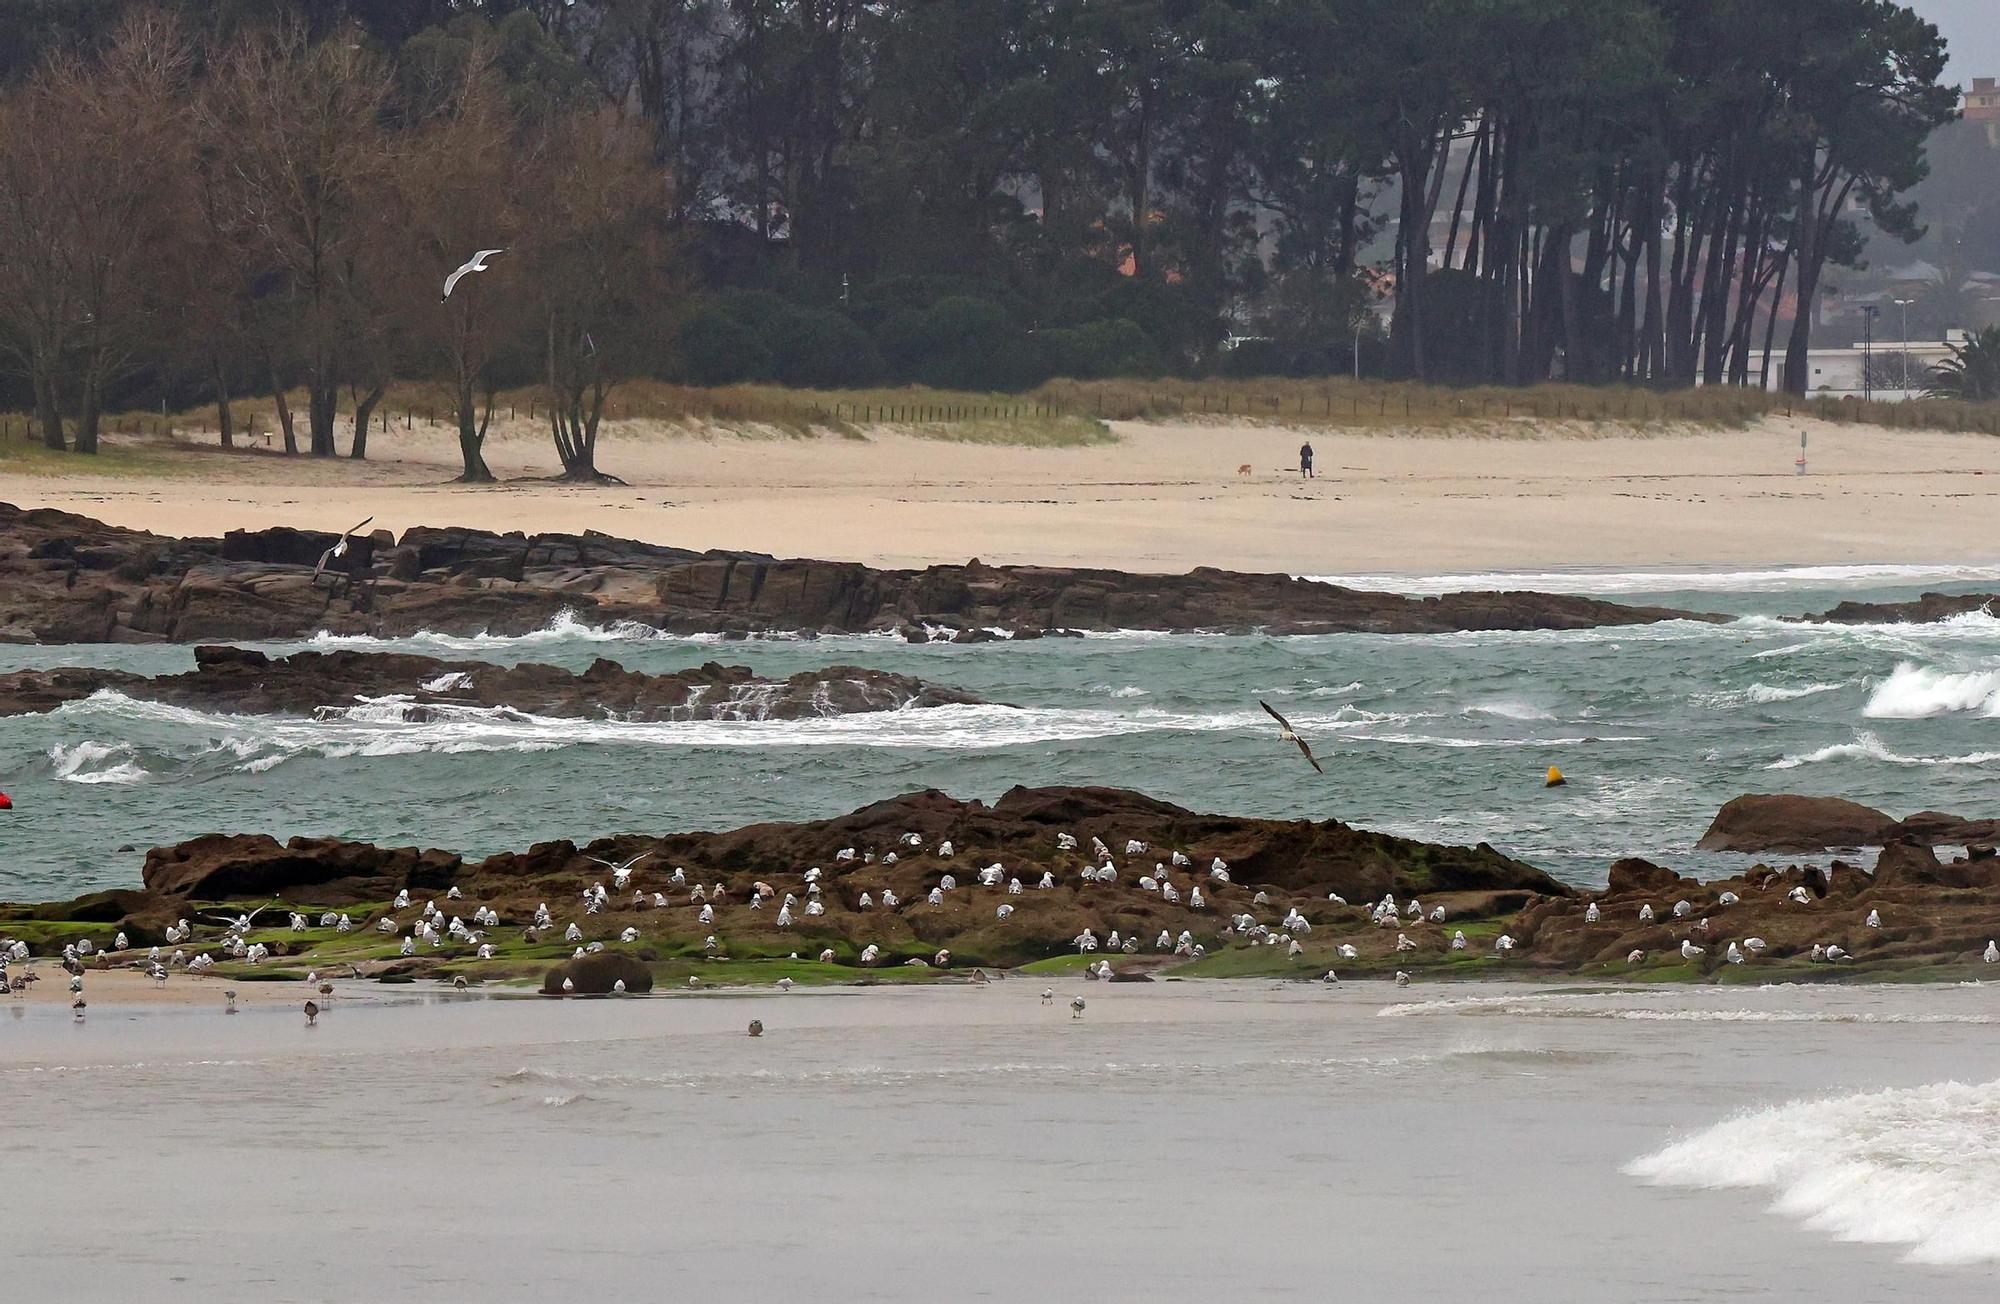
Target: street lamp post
pixel 1904 304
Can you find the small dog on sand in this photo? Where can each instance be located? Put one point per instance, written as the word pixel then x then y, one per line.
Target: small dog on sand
pixel 1243 470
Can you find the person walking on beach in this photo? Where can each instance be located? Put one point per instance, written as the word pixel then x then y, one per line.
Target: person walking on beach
pixel 1305 461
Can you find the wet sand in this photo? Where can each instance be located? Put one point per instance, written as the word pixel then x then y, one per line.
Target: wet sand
pixel 1179 1142
pixel 1161 498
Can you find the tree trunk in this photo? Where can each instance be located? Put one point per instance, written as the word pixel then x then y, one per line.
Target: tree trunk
pixel 225 419
pixel 322 405
pixel 48 409
pixel 472 437
pixel 283 407
pixel 89 406
pixel 364 411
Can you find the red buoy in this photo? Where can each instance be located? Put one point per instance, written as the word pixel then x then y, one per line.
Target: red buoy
pixel 6 802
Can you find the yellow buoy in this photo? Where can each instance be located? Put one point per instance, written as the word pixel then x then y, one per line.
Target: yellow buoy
pixel 1555 779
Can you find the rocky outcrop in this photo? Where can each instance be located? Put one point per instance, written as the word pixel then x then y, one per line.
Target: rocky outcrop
pixel 598 974
pixel 1789 824
pixel 1271 867
pixel 881 887
pixel 67 578
pixel 240 681
pixel 1925 914
pixel 225 866
pixel 1926 609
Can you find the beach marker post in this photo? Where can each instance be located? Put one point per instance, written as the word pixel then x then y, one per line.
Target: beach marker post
pixel 1801 463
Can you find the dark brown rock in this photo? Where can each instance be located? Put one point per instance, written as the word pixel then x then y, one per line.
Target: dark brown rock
pixel 1641 876
pixel 1792 824
pixel 243 681
pixel 1904 863
pixel 597 974
pixel 1926 609
pixel 225 866
pixel 67 578
pixel 1783 823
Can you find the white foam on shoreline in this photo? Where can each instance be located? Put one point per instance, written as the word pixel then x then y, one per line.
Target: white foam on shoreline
pixel 1773 579
pixel 1918 1167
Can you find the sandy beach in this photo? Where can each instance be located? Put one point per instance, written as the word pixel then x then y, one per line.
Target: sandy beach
pixel 1157 498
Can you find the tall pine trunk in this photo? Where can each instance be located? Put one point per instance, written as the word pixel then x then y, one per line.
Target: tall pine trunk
pixel 225 418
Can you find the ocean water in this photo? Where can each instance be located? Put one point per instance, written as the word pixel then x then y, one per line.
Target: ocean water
pixel 1179 1142
pixel 1438 737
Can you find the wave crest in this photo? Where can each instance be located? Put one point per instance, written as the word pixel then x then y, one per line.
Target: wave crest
pixel 1914 1166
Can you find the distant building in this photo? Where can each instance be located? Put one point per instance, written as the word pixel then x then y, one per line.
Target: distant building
pixel 1982 105
pixel 1845 373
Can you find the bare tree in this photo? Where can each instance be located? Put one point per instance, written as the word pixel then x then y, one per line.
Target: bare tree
pixel 92 163
pixel 293 127
pixel 459 192
pixel 595 258
pixel 36 295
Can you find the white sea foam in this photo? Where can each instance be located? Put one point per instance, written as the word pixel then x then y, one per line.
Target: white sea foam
pixel 95 762
pixel 1507 709
pixel 394 726
pixel 567 627
pixel 1913 692
pixel 1776 579
pixel 1763 695
pixel 1918 1167
pixel 1868 747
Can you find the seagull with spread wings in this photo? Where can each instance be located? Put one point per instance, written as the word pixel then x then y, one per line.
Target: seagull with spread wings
pixel 1285 732
pixel 476 263
pixel 620 873
pixel 339 549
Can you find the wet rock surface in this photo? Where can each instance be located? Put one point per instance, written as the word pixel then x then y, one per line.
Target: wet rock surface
pixel 1787 823
pixel 242 681
pixel 67 578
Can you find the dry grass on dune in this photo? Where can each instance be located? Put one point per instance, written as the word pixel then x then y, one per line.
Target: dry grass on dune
pixel 1059 414
pixel 1338 402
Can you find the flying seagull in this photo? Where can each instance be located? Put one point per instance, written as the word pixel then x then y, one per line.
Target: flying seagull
pixel 619 872
pixel 476 263
pixel 339 548
pixel 1285 732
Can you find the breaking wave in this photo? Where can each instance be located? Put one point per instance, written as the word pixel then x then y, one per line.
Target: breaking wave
pixel 95 762
pixel 1868 747
pixel 565 628
pixel 1763 695
pixel 1918 1167
pixel 395 726
pixel 1913 692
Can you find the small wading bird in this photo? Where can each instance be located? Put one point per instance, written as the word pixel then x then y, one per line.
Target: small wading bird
pixel 1285 732
pixel 476 263
pixel 339 548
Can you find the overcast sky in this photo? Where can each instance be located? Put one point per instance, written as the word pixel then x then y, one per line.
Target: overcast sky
pixel 1973 28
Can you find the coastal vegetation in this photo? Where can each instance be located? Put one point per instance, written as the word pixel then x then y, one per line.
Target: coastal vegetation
pixel 204 202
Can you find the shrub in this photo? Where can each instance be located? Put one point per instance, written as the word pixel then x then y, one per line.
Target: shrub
pixel 1102 348
pixel 718 348
pixel 815 348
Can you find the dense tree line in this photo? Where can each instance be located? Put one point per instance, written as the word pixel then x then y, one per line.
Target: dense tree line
pixel 259 193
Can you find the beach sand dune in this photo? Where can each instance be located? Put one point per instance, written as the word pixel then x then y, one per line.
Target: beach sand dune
pixel 1160 497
